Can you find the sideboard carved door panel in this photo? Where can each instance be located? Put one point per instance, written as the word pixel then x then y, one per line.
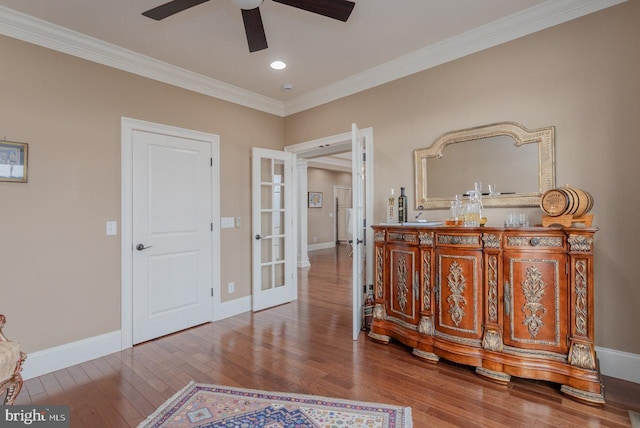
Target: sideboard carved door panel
pixel 535 301
pixel 458 289
pixel 403 291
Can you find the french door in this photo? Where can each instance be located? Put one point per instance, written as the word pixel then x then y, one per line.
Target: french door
pixel 274 279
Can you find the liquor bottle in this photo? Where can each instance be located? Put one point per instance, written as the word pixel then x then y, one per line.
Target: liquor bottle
pixel 391 209
pixel 402 206
pixel 369 303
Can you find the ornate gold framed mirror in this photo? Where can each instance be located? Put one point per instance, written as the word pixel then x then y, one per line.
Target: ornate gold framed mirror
pixel 518 162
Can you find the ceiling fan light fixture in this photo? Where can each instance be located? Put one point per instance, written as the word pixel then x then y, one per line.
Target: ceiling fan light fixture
pixel 247 4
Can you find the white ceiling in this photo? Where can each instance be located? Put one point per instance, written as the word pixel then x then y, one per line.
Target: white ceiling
pixel 204 48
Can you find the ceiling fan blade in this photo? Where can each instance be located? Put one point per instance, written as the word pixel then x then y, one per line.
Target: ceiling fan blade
pixel 336 9
pixel 254 29
pixel 165 10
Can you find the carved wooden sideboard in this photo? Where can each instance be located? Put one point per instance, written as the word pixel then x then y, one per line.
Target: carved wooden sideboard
pixel 509 301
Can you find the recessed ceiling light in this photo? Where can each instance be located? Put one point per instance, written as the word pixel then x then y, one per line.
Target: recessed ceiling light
pixel 278 65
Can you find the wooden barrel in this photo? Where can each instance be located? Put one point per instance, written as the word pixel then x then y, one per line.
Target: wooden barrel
pixel 566 201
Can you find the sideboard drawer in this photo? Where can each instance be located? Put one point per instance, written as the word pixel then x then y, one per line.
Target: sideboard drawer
pixel 459 239
pixel 534 241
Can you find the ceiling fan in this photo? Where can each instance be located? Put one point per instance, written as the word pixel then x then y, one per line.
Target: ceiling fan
pixel 257 40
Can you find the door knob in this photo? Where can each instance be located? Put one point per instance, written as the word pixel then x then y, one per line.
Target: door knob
pixel 259 236
pixel 141 247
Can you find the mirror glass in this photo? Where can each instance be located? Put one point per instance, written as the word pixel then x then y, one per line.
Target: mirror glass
pixel 518 161
pixel 516 168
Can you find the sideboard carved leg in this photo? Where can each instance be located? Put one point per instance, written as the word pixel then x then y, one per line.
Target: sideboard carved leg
pixel 497 377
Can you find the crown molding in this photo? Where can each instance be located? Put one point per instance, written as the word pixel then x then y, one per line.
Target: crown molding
pixel 42 33
pixel 547 14
pixel 331 163
pixel 528 21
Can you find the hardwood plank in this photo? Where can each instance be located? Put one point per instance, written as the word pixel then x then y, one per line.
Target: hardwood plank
pixel 306 347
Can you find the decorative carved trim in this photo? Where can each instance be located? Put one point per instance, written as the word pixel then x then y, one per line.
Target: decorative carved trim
pixel 426 280
pixel 585 396
pixel 379 337
pixel 378 312
pixel 378 235
pixel 401 283
pixel 533 288
pixel 582 316
pixel 544 137
pixel 496 376
pixel 426 238
pixel 542 241
pixel 429 356
pixel 404 324
pixel 492 278
pixel 459 239
pixel 491 240
pixel 426 326
pixel 403 237
pixel 477 343
pixel 492 341
pixel 580 243
pixel 524 352
pixel 581 355
pixel 456 282
pixel 379 272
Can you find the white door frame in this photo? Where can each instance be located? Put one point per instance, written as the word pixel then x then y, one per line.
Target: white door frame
pixel 340 142
pixel 325 146
pixel 128 126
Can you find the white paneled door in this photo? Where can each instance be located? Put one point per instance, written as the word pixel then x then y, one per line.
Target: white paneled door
pixel 361 213
pixel 274 252
pixel 171 233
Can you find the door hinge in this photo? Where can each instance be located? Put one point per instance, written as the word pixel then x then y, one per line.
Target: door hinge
pixel 212 292
pixel 212 226
pixel 211 159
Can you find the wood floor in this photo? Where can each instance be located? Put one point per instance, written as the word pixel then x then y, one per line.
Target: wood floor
pixel 306 347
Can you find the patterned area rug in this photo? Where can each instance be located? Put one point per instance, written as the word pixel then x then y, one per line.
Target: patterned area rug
pixel 201 405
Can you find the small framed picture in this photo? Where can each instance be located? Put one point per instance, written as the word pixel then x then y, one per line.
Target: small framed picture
pixel 13 161
pixel 315 199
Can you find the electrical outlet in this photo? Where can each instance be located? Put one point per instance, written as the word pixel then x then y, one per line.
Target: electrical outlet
pixel 231 287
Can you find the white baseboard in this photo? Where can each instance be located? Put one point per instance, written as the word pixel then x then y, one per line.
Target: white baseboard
pixel 619 364
pixel 63 356
pixel 233 307
pixel 321 246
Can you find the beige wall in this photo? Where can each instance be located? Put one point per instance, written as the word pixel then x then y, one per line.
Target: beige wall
pixel 60 278
pixel 321 221
pixel 581 77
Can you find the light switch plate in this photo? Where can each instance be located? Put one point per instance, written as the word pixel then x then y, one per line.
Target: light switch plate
pixel 112 228
pixel 226 222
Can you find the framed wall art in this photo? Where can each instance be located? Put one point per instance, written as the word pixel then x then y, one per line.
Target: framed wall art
pixel 13 161
pixel 315 199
